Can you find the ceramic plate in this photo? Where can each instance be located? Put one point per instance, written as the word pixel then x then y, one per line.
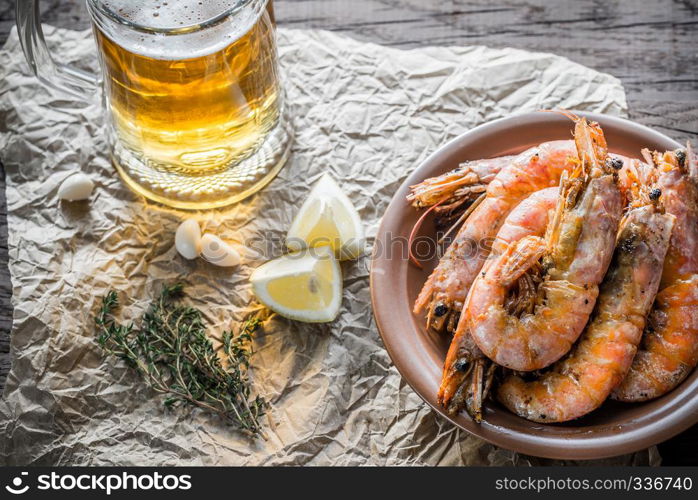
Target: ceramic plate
pixel 613 429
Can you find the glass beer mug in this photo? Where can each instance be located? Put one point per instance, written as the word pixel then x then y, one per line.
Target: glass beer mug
pixel 193 104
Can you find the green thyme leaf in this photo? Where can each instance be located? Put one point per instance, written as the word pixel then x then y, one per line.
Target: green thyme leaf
pixel 175 357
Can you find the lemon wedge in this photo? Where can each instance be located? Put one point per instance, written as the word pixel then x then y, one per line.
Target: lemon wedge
pixel 304 286
pixel 327 218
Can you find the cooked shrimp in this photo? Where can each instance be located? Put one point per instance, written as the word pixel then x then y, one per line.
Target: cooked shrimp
pixel 445 291
pixel 575 254
pixel 669 348
pixel 467 372
pixel 467 181
pixel 598 362
pixel 457 188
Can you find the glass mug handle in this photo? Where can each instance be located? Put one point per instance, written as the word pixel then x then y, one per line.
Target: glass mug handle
pixel 76 82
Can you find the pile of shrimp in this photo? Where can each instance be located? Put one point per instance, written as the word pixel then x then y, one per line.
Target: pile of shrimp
pixel 589 288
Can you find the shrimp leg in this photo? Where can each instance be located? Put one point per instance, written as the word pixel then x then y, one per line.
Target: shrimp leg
pixel 582 381
pixel 669 348
pixel 575 254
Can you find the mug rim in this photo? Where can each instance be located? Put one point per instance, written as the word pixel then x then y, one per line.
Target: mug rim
pixel 97 8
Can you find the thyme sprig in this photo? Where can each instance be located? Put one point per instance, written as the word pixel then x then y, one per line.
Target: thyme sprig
pixel 173 354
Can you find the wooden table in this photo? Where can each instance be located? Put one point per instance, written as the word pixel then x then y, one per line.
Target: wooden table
pixel 650 46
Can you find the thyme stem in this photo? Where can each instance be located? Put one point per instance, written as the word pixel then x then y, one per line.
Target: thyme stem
pixel 175 357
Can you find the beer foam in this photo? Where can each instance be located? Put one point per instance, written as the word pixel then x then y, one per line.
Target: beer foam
pixel 174 15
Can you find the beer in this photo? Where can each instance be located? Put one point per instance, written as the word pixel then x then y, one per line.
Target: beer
pixel 190 104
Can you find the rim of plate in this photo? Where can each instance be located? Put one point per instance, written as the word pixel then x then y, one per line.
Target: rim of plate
pixel 651 422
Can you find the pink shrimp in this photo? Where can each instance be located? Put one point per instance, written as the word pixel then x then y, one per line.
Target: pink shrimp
pixel 467 372
pixel 601 358
pixel 669 349
pixel 458 188
pixel 574 254
pixel 445 291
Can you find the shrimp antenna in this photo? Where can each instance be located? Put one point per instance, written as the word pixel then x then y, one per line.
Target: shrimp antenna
pixel 692 162
pixel 564 112
pixel 647 156
pixel 416 227
pixel 561 111
pixel 463 216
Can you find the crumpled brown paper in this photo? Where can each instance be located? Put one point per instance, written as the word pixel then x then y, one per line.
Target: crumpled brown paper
pixel 365 113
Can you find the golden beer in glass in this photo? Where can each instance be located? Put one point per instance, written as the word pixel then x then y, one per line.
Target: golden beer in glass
pixel 195 115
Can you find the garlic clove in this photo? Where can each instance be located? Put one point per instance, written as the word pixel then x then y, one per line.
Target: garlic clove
pixel 218 252
pixel 76 187
pixel 188 239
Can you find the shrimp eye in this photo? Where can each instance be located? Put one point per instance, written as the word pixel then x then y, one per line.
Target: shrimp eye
pixel 615 163
pixel 461 365
pixel 628 245
pixel 681 157
pixel 440 310
pixel 655 194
